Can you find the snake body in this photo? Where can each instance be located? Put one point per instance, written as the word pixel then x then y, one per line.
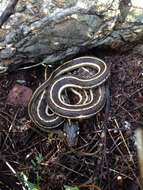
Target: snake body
pixel 49 94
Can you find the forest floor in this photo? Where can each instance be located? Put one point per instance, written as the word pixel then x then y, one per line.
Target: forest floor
pixel 104 156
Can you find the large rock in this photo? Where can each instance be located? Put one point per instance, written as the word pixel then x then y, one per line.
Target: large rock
pixel 47 31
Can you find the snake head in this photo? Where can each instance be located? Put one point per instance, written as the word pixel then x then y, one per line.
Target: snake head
pixel 71 132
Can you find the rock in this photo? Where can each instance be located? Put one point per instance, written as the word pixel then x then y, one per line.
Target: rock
pixel 19 95
pixel 48 31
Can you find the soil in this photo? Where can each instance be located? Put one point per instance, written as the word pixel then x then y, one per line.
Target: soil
pixel 106 152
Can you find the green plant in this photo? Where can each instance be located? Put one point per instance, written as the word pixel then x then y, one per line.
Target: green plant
pixel 36 166
pixel 39 158
pixel 76 188
pixel 70 188
pixel 31 186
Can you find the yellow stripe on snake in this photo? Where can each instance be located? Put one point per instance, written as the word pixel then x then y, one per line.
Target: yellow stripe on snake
pixel 49 95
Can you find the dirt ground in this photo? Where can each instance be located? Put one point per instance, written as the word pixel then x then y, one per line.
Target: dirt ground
pixel 105 158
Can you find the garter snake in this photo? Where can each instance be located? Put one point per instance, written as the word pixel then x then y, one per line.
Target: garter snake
pixel 48 96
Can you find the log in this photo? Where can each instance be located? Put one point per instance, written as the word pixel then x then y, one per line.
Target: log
pixel 47 31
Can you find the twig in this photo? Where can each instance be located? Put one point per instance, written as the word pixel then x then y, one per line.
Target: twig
pixel 123 102
pixel 2 157
pixel 125 162
pixel 10 128
pixel 9 10
pixel 131 156
pixel 125 110
pixel 70 169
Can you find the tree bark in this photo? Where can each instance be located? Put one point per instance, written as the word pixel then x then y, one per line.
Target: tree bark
pixel 48 31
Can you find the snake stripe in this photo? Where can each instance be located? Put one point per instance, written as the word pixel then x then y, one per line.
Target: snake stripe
pixel 49 94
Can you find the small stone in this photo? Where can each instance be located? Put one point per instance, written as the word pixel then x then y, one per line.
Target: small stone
pixel 19 95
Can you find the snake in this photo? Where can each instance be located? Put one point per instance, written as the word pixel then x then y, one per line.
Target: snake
pixel 48 110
